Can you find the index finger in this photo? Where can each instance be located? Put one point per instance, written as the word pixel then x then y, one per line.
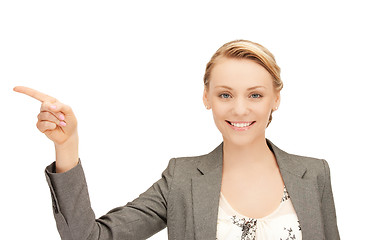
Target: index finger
pixel 34 94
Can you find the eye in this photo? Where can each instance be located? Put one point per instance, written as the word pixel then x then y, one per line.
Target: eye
pixel 224 95
pixel 256 95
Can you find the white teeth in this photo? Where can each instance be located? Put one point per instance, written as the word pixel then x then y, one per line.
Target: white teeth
pixel 241 124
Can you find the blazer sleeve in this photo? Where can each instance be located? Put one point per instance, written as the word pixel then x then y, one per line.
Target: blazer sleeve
pixel 75 219
pixel 328 207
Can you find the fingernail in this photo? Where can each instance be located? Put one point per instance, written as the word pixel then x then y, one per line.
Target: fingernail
pixel 63 124
pixel 53 106
pixel 61 117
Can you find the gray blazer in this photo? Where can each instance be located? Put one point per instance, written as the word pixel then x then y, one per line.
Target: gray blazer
pixel 186 198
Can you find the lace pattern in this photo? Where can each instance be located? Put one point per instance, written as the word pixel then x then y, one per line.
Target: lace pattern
pixel 249 226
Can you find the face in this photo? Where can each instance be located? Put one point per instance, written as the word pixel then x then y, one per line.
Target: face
pixel 241 95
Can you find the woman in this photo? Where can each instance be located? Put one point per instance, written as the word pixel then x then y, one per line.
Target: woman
pixel 246 188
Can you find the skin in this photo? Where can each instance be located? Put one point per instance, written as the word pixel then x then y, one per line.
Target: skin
pixel 248 163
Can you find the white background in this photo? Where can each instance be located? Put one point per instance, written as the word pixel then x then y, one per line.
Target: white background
pixel 132 71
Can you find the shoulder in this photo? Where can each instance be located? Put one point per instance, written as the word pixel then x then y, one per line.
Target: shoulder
pixel 298 163
pixel 314 170
pixel 316 165
pixel 187 165
pixel 196 165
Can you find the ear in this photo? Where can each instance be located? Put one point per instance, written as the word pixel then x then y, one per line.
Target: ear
pixel 205 97
pixel 277 100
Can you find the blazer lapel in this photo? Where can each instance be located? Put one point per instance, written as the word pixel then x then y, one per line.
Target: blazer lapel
pixel 206 193
pixel 302 192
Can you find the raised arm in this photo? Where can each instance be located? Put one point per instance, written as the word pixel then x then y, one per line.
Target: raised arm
pixel 139 219
pixel 57 121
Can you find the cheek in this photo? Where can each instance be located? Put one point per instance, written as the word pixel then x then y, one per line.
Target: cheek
pixel 220 110
pixel 263 110
pixel 218 115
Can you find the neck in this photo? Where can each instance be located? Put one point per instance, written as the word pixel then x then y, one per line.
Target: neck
pixel 256 153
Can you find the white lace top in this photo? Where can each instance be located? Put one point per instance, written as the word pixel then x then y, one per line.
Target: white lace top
pixel 282 224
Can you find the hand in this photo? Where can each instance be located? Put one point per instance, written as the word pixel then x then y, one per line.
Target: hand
pixel 56 120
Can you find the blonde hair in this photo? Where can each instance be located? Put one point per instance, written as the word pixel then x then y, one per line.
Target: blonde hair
pixel 244 49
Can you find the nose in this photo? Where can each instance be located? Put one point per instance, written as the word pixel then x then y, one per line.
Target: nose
pixel 241 106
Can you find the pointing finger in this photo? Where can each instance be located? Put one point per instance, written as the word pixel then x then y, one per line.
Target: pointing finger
pixel 34 94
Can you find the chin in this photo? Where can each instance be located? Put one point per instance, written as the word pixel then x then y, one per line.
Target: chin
pixel 240 141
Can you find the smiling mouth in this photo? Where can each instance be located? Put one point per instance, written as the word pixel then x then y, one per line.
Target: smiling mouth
pixel 240 124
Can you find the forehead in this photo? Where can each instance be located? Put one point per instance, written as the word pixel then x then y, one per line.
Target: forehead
pixel 239 73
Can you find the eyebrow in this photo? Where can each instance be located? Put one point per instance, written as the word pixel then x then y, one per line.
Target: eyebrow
pixel 248 89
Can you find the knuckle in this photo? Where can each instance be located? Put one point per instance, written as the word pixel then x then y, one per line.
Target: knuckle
pixel 40 123
pixel 39 126
pixel 68 108
pixel 42 115
pixel 44 105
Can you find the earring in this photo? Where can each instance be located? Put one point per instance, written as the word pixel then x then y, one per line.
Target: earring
pixel 276 108
pixel 207 107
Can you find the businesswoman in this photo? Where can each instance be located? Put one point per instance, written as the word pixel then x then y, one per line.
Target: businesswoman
pixel 246 188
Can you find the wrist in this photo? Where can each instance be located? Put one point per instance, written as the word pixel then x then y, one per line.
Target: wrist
pixel 71 143
pixel 67 155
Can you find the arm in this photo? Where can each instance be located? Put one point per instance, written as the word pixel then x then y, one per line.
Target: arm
pixel 328 207
pixel 75 218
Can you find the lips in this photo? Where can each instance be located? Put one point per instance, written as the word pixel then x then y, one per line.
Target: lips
pixel 241 126
pixel 240 123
